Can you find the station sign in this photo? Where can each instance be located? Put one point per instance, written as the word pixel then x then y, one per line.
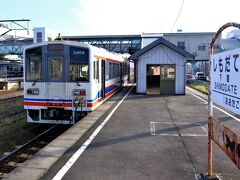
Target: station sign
pixel 225 80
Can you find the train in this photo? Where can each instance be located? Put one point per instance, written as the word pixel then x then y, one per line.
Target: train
pixel 65 80
pixel 11 69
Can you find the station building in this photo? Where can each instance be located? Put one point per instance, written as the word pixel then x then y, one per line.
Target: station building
pixel 160 68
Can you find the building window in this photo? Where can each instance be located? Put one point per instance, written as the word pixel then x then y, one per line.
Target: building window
pixel 167 72
pixel 202 48
pixel 39 37
pixel 181 44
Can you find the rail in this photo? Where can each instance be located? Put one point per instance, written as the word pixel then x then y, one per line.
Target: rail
pixel 47 136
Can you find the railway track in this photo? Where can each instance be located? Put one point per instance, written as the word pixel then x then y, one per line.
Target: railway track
pixel 24 152
pixel 14 113
pixel 11 107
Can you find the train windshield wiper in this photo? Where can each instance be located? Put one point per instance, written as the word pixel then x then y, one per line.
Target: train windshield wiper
pixel 78 83
pixel 34 82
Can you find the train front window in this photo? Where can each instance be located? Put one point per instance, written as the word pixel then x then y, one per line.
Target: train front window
pixel 56 68
pixel 33 64
pixel 79 64
pixel 79 72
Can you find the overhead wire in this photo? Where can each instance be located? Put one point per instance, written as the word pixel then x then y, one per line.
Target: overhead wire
pixel 180 10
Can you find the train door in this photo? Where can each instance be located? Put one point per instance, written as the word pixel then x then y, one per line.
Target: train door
pixel 121 74
pixel 103 89
pixel 55 84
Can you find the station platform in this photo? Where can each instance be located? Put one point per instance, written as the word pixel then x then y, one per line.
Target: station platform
pixel 134 136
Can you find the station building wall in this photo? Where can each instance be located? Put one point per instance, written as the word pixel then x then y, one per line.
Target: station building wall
pixel 161 55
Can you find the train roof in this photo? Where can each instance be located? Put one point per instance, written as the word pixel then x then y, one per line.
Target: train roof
pixel 58 42
pixel 74 43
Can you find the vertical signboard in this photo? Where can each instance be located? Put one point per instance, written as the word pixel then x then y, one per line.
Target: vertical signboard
pixel 225 80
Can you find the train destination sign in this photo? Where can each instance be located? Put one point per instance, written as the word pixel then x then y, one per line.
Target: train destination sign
pixel 225 79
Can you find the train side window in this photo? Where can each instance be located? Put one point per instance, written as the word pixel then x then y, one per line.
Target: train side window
pixel 97 73
pixel 94 69
pixel 118 70
pixel 110 70
pixel 114 70
pixel 107 70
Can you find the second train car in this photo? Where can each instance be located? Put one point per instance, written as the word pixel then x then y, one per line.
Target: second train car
pixel 63 80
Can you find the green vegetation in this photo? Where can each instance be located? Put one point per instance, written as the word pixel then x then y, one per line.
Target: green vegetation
pixel 202 89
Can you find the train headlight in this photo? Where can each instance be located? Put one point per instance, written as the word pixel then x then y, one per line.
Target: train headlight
pixel 79 92
pixel 33 91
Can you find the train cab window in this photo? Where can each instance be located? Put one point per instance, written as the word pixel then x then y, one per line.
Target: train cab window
pixel 33 63
pixel 56 68
pixel 79 72
pixel 79 64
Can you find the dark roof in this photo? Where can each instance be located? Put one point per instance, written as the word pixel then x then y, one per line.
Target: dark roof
pixel 163 42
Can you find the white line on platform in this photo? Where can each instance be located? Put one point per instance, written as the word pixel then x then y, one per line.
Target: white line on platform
pixel 78 153
pixel 183 135
pixel 166 122
pixel 237 119
pixel 153 129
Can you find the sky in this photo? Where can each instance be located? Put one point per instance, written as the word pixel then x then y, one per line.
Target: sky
pixel 109 17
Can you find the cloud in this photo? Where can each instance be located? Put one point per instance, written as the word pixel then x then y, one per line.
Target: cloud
pixel 135 17
pixel 125 16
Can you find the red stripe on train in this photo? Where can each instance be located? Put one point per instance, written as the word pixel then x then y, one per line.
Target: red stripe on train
pixel 27 103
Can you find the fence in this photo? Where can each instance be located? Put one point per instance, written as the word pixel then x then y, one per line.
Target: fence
pixel 198 83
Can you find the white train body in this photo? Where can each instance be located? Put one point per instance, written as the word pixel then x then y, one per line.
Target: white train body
pixel 62 80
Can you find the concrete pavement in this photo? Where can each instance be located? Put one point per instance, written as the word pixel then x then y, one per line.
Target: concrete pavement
pixel 150 137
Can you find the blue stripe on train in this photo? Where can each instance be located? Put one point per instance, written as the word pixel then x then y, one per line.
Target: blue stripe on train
pixel 99 94
pixel 55 100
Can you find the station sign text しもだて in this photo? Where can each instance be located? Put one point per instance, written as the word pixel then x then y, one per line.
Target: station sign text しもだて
pixel 225 81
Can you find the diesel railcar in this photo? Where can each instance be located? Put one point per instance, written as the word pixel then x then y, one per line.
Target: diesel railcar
pixel 64 80
pixel 11 69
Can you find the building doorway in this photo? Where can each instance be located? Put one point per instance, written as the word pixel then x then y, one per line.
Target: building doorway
pixel 153 79
pixel 160 79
